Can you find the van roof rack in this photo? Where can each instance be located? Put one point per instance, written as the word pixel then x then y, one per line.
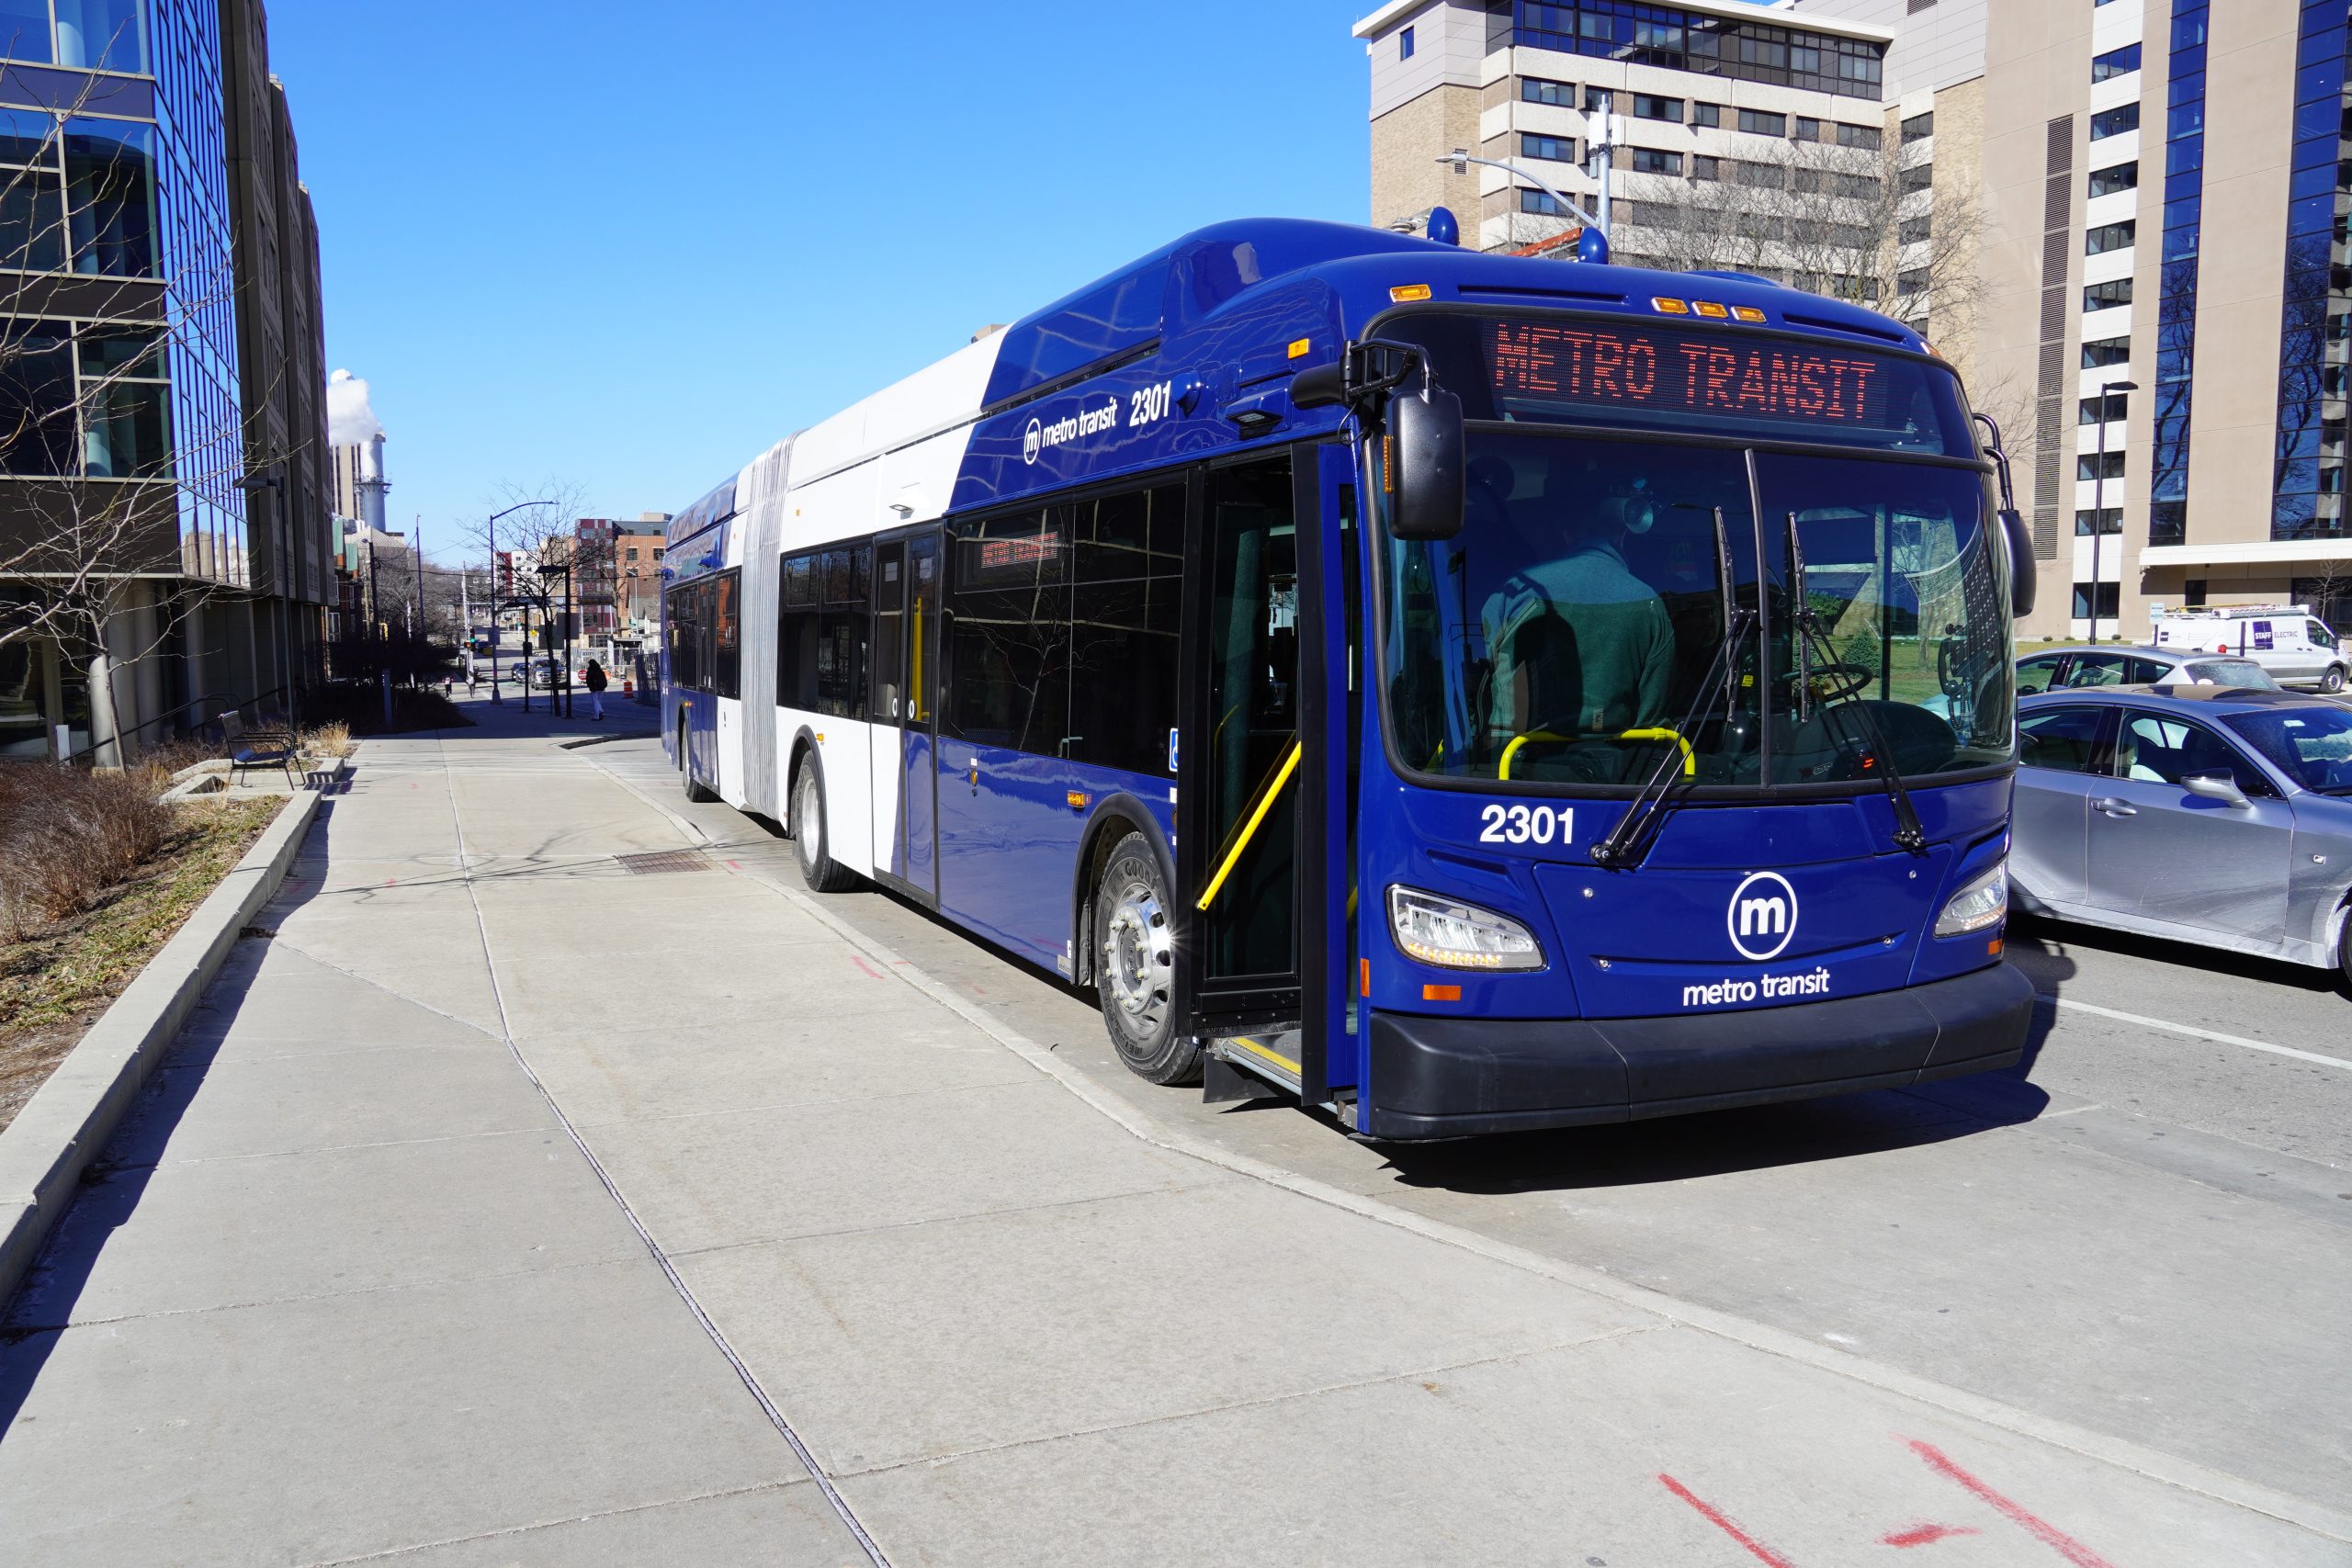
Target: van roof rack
pixel 2228 612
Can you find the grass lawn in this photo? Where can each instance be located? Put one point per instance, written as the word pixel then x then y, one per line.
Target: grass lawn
pixel 54 984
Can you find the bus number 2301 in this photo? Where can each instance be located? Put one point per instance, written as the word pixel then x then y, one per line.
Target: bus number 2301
pixel 1526 825
pixel 1150 403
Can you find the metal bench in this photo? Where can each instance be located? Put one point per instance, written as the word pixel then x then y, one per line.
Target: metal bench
pixel 258 745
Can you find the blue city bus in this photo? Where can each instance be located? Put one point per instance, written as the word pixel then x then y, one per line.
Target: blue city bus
pixel 1465 692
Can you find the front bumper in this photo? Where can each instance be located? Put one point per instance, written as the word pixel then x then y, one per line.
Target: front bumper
pixel 1452 1077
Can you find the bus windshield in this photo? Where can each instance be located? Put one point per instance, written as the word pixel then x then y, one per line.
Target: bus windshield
pixel 1574 632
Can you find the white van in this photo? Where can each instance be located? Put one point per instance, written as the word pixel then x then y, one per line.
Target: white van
pixel 2291 642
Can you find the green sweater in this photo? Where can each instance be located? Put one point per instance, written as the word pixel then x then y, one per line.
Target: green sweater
pixel 1605 664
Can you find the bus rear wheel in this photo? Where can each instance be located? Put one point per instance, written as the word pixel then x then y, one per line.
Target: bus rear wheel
pixel 1134 968
pixel 696 793
pixel 810 845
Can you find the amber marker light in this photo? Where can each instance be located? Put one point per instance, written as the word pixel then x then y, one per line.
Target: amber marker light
pixel 1746 313
pixel 1298 350
pixel 1669 306
pixel 1712 310
pixel 1406 293
pixel 1440 993
pixel 1079 800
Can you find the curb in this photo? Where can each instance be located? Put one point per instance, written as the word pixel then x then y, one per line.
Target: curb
pixel 62 1129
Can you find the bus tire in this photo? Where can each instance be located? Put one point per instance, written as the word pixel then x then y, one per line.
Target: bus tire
pixel 696 794
pixel 810 846
pixel 1135 968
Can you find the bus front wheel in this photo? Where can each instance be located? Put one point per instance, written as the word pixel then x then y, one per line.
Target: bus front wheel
pixel 1135 969
pixel 810 844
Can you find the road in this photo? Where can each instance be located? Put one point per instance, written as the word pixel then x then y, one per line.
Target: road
pixel 2143 1232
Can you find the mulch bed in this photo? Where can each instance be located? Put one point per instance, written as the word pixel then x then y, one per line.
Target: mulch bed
pixel 54 984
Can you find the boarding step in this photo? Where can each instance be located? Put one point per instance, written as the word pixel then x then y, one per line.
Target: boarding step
pixel 1250 1062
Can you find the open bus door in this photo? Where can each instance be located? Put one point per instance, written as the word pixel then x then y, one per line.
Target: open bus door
pixel 1260 846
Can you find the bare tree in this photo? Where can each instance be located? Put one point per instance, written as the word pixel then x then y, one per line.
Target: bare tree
pixel 540 563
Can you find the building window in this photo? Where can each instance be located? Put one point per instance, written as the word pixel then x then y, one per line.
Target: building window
pixel 2110 521
pixel 93 400
pixel 1917 178
pixel 1708 115
pixel 2117 405
pixel 2107 296
pixel 89 35
pixel 1703 167
pixel 2115 62
pixel 1866 137
pixel 1919 128
pixel 1910 282
pixel 1757 122
pixel 2111 600
pixel 1536 90
pixel 2309 457
pixel 2111 237
pixel 2115 178
pixel 2098 465
pixel 1405 44
pixel 2167 467
pixel 2105 352
pixel 1551 149
pixel 1541 204
pixel 1649 106
pixel 76 196
pixel 1805 130
pixel 1596 98
pixel 1762 176
pixel 1649 161
pixel 1709 45
pixel 1917 230
pixel 2115 122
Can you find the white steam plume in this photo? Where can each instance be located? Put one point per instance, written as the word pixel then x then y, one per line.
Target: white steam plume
pixel 350 421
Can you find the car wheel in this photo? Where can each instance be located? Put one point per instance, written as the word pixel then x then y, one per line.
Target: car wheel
pixel 810 844
pixel 1135 971
pixel 2333 679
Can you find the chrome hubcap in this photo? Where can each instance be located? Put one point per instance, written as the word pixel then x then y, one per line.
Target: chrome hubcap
pixel 809 833
pixel 1138 957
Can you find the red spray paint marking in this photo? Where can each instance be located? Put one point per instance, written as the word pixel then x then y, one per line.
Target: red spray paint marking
pixel 2050 1535
pixel 869 968
pixel 1923 1534
pixel 1716 1517
pixel 736 863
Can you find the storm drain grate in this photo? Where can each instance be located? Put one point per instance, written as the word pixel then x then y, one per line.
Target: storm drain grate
pixel 664 861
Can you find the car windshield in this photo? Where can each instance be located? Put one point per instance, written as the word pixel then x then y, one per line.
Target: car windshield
pixel 2313 744
pixel 2243 672
pixel 1574 631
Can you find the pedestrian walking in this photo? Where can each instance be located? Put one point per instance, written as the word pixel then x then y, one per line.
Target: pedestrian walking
pixel 594 682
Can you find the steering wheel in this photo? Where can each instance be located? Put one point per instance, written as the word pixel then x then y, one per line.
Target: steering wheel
pixel 1834 682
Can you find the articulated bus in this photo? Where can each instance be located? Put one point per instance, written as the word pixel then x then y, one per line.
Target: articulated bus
pixel 1465 692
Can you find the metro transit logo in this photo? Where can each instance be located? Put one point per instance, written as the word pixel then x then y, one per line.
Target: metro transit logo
pixel 1033 442
pixel 1762 916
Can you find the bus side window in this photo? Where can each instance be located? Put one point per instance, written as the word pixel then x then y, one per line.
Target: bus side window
pixel 796 629
pixel 1129 565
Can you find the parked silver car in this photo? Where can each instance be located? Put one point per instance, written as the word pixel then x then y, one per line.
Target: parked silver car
pixel 2202 814
pixel 2072 668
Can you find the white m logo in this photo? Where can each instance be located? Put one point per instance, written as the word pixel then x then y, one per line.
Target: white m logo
pixel 1762 916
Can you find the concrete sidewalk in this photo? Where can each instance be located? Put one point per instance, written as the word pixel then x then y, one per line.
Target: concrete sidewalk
pixel 518 1204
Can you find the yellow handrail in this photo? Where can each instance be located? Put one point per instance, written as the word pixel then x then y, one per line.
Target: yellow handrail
pixel 1250 828
pixel 1689 757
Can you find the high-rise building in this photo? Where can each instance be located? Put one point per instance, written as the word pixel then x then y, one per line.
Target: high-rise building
pixel 2167 206
pixel 165 547
pixel 1829 144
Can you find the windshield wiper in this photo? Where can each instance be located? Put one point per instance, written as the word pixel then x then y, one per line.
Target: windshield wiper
pixel 1629 840
pixel 1877 757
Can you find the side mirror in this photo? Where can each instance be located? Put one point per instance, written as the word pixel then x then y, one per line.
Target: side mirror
pixel 2217 786
pixel 2024 580
pixel 1319 387
pixel 1425 464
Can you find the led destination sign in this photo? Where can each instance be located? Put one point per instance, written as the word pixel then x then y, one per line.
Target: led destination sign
pixel 1724 377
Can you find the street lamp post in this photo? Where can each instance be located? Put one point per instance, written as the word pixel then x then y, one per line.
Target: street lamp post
pixel 1462 159
pixel 2098 498
pixel 490 532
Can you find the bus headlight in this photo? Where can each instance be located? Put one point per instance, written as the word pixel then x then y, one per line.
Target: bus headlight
pixel 1454 935
pixel 1982 901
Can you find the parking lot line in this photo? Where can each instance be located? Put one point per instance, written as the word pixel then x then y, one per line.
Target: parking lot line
pixel 2196 1033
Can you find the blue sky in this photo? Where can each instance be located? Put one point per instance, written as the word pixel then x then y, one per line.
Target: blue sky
pixel 632 247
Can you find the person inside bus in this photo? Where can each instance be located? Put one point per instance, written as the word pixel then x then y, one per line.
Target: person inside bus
pixel 1581 647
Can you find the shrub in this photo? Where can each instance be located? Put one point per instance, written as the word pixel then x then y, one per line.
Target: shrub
pixel 329 739
pixel 67 834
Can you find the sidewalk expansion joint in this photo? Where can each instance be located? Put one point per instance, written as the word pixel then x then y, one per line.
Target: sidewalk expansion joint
pixel 750 1380
pixel 395 1553
pixel 1422 1375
